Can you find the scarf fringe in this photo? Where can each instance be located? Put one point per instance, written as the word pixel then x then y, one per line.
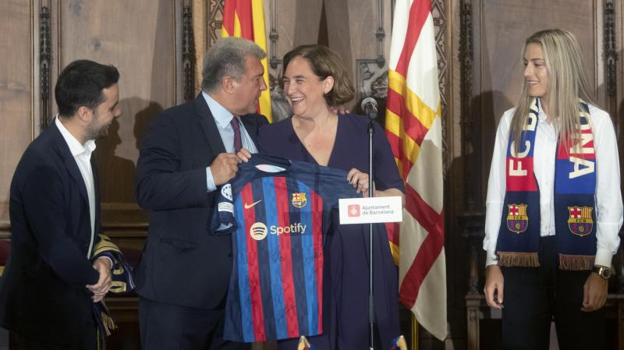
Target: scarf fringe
pixel 509 259
pixel 399 343
pixel 109 324
pixel 576 262
pixel 304 344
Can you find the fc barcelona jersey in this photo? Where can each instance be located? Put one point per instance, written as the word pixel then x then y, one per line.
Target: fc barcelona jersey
pixel 277 212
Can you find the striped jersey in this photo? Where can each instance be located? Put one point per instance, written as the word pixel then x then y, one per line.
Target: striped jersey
pixel 277 212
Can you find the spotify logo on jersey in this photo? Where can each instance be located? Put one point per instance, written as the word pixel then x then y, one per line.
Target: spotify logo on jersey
pixel 258 231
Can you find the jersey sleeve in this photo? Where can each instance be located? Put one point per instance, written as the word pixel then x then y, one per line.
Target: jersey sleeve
pixel 223 221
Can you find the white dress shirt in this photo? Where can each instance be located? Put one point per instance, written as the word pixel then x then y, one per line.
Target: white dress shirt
pixel 608 194
pixel 223 118
pixel 82 155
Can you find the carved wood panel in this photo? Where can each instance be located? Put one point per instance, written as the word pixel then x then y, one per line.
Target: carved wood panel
pixel 17 89
pixel 150 69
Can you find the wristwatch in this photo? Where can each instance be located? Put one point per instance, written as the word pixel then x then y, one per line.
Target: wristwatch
pixel 602 271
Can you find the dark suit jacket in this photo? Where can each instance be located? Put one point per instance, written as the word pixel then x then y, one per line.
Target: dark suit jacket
pixel 42 291
pixel 182 263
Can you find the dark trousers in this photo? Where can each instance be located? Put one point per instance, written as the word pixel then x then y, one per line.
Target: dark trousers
pixel 533 297
pixel 87 342
pixel 172 327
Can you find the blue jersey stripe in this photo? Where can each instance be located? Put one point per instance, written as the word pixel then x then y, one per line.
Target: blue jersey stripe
pixel 307 248
pixel 233 317
pixel 243 283
pixel 275 261
pixel 298 261
pixel 264 259
pixel 275 287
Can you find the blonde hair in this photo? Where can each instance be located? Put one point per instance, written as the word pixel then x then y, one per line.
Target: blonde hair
pixel 568 83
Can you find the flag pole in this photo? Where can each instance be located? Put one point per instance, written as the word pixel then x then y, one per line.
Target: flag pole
pixel 371 299
pixel 414 333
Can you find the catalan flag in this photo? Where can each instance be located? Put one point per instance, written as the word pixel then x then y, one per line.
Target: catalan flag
pixel 413 126
pixel 245 19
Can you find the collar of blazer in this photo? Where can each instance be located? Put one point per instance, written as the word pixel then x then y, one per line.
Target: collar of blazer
pixel 209 125
pixel 207 121
pixel 62 149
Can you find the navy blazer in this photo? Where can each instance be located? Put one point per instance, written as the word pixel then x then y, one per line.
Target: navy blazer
pixel 42 291
pixel 182 263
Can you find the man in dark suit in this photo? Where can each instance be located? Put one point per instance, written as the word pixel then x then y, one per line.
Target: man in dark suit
pixel 187 153
pixel 52 278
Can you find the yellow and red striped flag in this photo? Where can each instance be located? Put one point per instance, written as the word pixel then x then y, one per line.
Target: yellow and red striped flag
pixel 414 128
pixel 245 19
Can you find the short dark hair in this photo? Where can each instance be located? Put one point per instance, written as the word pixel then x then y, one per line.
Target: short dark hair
pixel 81 84
pixel 324 63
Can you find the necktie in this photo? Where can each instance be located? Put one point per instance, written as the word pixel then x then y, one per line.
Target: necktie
pixel 238 143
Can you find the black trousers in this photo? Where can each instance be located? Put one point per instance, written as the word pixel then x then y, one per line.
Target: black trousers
pixel 87 342
pixel 533 297
pixel 168 327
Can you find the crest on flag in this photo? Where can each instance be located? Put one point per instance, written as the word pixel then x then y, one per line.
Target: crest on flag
pixel 299 200
pixel 517 219
pixel 580 221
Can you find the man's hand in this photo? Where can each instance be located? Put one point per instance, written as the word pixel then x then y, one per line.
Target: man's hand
pixel 339 110
pixel 224 168
pixel 103 266
pixel 594 292
pixel 494 286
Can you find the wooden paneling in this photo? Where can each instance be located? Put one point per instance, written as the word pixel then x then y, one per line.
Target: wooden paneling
pixel 16 93
pixel 140 38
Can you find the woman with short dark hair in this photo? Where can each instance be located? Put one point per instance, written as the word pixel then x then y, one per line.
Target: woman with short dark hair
pixel 315 82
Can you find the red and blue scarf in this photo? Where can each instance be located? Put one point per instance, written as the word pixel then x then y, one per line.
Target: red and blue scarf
pixel 574 199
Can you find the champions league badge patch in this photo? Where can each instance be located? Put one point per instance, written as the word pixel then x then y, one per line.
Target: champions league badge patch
pixel 580 221
pixel 226 191
pixel 517 219
pixel 299 200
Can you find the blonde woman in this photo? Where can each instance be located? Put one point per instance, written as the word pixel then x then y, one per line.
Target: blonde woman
pixel 554 206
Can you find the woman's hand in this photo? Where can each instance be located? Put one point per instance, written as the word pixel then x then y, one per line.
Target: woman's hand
pixel 595 293
pixel 243 155
pixel 391 192
pixel 359 181
pixel 494 286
